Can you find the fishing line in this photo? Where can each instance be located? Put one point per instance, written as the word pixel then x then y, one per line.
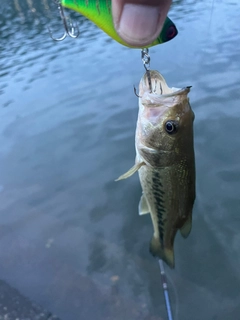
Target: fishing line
pixel 211 14
pixel 176 311
pixel 165 290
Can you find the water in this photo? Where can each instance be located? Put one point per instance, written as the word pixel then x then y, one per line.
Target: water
pixel 70 237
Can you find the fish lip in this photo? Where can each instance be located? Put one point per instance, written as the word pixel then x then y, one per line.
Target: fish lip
pixel 153 100
pixel 176 92
pixel 159 87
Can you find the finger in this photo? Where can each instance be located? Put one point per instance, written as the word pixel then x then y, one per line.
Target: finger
pixel 139 22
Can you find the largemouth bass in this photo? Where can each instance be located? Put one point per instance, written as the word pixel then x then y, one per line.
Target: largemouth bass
pixel 165 162
pixel 100 13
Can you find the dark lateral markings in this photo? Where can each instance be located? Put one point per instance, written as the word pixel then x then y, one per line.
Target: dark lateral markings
pixel 158 196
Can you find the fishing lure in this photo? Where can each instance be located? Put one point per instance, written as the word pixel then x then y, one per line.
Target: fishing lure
pixel 100 13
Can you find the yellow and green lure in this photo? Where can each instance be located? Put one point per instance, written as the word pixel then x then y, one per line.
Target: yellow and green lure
pixel 100 12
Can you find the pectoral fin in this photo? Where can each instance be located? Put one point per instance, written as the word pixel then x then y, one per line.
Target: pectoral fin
pixel 143 206
pixel 131 171
pixel 186 228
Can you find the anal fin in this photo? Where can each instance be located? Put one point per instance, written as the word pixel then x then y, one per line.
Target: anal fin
pixel 143 206
pixel 186 228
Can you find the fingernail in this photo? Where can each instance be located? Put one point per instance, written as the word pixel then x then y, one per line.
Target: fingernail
pixel 138 23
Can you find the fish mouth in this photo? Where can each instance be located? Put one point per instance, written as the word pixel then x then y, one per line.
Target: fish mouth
pixel 159 86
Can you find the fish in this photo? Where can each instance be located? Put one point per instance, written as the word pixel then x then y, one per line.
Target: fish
pixel 165 162
pixel 100 13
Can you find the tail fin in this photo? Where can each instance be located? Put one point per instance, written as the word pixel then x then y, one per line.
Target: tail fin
pixel 165 254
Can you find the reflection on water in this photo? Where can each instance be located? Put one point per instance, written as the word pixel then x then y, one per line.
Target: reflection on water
pixel 71 237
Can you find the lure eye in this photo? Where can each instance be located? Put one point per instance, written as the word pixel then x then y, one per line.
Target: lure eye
pixel 171 32
pixel 171 126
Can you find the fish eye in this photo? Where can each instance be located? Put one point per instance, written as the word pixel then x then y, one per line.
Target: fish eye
pixel 171 32
pixel 171 126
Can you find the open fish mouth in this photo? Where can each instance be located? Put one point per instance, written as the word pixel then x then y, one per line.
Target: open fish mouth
pixel 160 90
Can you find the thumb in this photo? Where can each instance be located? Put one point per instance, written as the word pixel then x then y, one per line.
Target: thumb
pixel 139 22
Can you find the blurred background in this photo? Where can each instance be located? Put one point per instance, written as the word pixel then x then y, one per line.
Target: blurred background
pixel 70 237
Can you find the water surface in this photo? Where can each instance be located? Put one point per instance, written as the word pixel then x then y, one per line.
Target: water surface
pixel 70 237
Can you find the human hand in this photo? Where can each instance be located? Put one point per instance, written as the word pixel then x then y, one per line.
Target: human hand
pixel 139 22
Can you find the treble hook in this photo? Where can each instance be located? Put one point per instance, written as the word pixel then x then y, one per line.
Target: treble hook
pixel 135 92
pixel 70 33
pixel 146 63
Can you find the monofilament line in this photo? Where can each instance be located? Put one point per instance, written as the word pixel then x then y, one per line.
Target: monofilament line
pixel 165 290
